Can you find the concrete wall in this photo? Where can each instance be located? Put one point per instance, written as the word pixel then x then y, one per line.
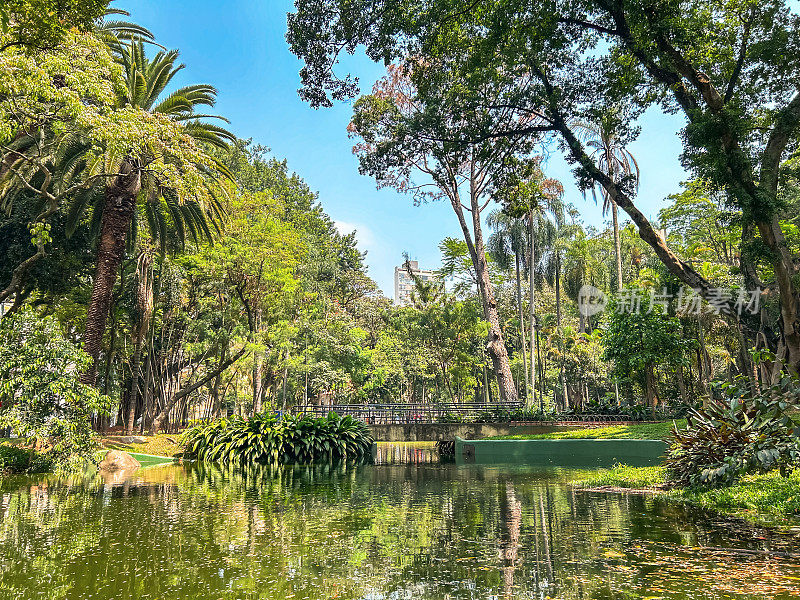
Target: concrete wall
pixel 562 453
pixel 434 432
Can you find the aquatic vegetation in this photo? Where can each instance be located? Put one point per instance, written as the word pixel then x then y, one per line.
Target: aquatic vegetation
pixel 265 438
pixel 625 476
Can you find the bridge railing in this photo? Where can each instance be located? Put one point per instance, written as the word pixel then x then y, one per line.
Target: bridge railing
pixel 466 412
pixel 377 414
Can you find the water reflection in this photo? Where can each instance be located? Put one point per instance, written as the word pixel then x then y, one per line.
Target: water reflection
pixel 413 453
pixel 377 532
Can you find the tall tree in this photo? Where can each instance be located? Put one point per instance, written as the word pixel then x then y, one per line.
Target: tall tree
pixel 528 194
pixel 702 60
pixel 508 244
pixel 405 144
pixel 608 150
pixel 146 81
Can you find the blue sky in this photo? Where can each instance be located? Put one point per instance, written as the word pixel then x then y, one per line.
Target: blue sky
pixel 239 47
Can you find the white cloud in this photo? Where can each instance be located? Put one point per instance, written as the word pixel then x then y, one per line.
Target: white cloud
pixel 364 235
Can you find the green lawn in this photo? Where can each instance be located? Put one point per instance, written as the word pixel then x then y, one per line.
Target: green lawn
pixel 623 476
pixel 163 444
pixel 766 499
pixel 639 431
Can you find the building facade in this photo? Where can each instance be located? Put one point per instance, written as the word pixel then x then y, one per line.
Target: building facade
pixel 404 285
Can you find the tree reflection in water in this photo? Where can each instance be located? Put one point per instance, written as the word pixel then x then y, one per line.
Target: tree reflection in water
pixel 376 532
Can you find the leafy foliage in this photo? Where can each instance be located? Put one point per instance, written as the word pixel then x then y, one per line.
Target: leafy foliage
pixel 35 24
pixel 742 433
pixel 14 459
pixel 40 395
pixel 264 438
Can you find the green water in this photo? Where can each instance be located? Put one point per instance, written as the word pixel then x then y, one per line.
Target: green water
pixel 413 528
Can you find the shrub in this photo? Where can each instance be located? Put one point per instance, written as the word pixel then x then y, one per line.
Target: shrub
pixel 41 397
pixel 740 433
pixel 22 460
pixel 266 439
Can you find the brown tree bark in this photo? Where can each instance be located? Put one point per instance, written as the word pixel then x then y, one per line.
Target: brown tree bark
pixel 650 386
pixel 521 320
pixel 118 207
pixel 162 414
pixel 495 344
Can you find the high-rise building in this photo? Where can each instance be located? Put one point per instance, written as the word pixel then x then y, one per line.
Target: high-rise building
pixel 404 285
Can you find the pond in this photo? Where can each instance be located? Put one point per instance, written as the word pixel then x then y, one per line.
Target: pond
pixel 408 527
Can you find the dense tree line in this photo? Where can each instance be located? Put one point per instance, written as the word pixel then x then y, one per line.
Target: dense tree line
pixel 202 278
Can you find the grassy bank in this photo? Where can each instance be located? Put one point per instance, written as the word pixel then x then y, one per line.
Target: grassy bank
pixel 766 499
pixel 163 444
pixel 638 431
pixel 16 459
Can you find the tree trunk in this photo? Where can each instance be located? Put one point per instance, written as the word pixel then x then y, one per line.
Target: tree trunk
pixel 159 419
pixel 521 319
pixel 650 385
pixel 682 385
pixel 118 207
pixel 495 344
pixel 532 307
pixel 134 395
pixel 558 290
pixel 144 306
pixel 617 243
pixel 215 395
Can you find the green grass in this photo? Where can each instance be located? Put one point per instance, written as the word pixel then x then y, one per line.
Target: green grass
pixel 157 445
pixel 765 499
pixel 623 476
pixel 639 431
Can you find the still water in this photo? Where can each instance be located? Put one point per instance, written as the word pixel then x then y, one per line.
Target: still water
pixel 408 527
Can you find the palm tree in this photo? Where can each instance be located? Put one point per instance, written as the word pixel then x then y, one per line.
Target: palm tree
pixel 551 265
pixel 583 265
pixel 50 162
pixel 536 199
pixel 507 243
pixel 613 159
pixel 134 185
pixel 551 262
pixel 545 216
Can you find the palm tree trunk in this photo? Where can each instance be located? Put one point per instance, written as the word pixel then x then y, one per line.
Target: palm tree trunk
pixel 617 243
pixel 532 308
pixel 521 318
pixel 561 377
pixel 558 290
pixel 118 207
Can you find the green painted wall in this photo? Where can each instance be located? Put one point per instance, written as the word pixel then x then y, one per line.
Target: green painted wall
pixel 561 453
